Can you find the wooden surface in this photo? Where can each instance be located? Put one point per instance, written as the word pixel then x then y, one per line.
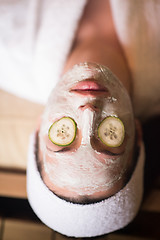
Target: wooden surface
pixel 18 119
pixel 18 229
pixel 13 183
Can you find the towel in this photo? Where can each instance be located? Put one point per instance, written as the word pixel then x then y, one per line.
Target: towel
pixel 88 220
pixel 35 40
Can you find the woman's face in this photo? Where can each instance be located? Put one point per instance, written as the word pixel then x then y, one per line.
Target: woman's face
pixel 88 94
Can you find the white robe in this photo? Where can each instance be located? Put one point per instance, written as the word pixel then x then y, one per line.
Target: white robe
pixel 36 37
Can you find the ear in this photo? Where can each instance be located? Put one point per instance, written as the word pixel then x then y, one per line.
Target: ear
pixel 139 133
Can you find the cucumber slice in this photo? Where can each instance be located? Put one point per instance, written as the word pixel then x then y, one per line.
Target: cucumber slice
pixel 63 131
pixel 111 131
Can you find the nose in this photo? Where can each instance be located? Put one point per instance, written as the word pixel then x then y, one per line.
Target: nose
pixel 90 107
pixel 87 118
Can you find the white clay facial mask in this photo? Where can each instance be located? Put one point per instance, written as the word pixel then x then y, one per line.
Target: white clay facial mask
pixel 109 121
pixel 84 171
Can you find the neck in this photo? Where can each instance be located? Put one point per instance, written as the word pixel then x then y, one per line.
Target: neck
pixel 94 43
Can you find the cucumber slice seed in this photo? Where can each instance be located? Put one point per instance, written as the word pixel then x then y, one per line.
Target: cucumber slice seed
pixel 111 131
pixel 63 131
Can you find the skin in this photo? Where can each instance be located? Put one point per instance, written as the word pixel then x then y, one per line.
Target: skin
pixel 93 43
pixel 98 42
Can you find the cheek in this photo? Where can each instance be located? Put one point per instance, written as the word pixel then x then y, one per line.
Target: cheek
pixel 49 144
pixel 50 166
pixel 49 161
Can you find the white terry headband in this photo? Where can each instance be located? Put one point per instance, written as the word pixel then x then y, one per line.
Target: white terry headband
pixel 77 220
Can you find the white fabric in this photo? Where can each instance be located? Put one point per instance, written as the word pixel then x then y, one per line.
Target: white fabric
pixel 79 220
pixel 137 25
pixel 36 37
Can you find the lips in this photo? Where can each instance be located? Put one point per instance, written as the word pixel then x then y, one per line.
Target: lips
pixel 89 87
